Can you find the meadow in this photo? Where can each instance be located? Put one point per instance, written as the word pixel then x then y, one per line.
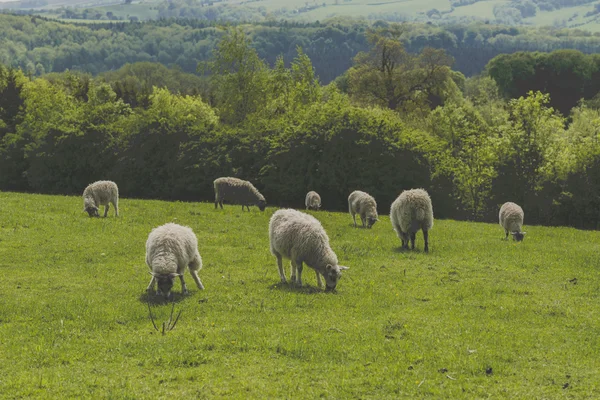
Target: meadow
pixel 477 317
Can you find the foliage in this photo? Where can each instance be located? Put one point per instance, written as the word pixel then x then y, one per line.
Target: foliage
pixel 38 45
pixel 391 77
pixel 134 82
pixel 338 148
pixel 473 152
pixel 468 155
pixel 240 74
pixel 149 163
pixel 566 75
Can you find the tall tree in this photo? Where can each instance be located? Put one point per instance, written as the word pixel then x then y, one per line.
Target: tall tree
pixel 240 75
pixel 390 76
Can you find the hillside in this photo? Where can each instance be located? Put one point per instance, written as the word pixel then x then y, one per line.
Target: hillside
pixel 583 14
pixel 477 317
pixel 40 45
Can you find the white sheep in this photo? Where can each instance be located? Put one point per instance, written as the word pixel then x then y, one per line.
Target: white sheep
pixel 363 204
pixel 100 193
pixel 312 200
pixel 511 219
pixel 169 249
pixel 301 238
pixel 238 191
pixel 411 211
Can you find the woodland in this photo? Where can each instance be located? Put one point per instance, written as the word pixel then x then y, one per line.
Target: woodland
pixel 392 109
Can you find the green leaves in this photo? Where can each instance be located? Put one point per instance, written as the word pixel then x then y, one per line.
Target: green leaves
pixel 391 77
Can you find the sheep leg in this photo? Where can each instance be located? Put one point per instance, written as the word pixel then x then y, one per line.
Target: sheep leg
pixel 506 238
pixel 354 218
pixel 194 267
pixel 299 273
pixel 106 207
pixel 116 206
pixel 150 288
pixel 319 282
pixel 293 269
pixel 280 265
pixel 364 221
pixel 412 240
pixel 197 279
pixel 426 238
pixel 184 289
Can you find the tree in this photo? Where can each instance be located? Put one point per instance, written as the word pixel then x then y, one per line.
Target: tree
pixel 468 154
pixel 240 75
pixel 11 99
pixel 527 151
pixel 390 76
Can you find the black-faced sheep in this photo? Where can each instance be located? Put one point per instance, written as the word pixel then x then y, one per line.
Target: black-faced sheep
pixel 238 191
pixel 300 238
pixel 100 193
pixel 410 212
pixel 171 248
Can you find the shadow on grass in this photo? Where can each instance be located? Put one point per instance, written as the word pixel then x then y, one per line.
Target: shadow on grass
pixel 358 226
pixel 288 287
pixel 155 299
pixel 409 250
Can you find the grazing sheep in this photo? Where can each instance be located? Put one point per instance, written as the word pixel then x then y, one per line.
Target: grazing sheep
pixel 169 249
pixel 363 204
pixel 312 200
pixel 411 211
pixel 238 191
pixel 300 238
pixel 100 193
pixel 511 219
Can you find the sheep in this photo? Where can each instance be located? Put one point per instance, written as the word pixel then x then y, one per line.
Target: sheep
pixel 411 211
pixel 312 200
pixel 101 193
pixel 238 191
pixel 169 249
pixel 301 238
pixel 363 204
pixel 511 219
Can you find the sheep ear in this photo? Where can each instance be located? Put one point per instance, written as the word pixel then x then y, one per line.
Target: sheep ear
pixel 174 275
pixel 342 268
pixel 524 233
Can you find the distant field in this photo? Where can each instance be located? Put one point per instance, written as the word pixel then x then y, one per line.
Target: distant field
pixel 482 9
pixel 571 15
pixel 367 8
pixel 142 11
pixel 374 9
pixel 478 317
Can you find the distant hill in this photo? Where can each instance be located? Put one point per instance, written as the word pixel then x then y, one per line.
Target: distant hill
pixel 40 45
pixel 583 14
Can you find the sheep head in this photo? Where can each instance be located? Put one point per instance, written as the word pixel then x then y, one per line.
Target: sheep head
pixel 165 283
pixel 371 221
pixel 332 275
pixel 518 236
pixel 92 211
pixel 261 205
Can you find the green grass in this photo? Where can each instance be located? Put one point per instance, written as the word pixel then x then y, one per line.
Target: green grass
pixel 74 320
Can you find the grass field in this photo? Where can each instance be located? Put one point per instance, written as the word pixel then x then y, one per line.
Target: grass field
pixel 478 317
